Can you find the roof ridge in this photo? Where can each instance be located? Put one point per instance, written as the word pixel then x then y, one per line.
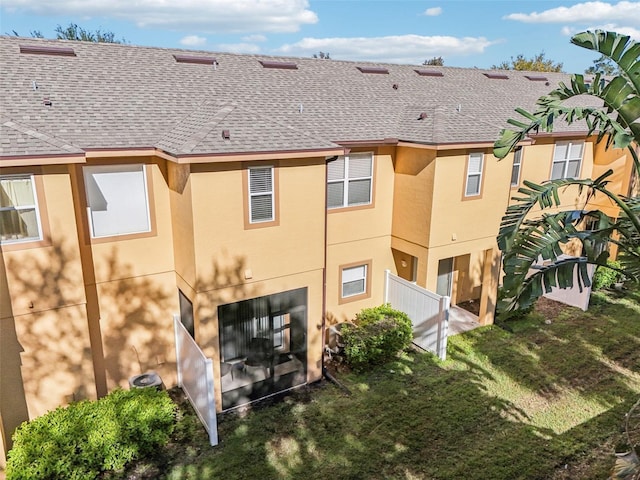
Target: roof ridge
pixel 33 132
pixel 196 134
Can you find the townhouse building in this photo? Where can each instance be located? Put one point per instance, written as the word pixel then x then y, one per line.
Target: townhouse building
pixel 261 198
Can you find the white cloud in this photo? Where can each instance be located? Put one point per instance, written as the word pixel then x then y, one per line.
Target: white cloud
pixel 237 48
pixel 433 12
pixel 395 49
pixel 612 27
pixel 193 40
pixel 206 16
pixel 254 38
pixel 627 12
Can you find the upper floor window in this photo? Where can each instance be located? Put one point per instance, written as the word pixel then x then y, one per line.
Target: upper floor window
pixel 261 195
pixel 517 167
pixel 117 200
pixel 567 158
pixel 350 180
pixel 19 213
pixel 473 185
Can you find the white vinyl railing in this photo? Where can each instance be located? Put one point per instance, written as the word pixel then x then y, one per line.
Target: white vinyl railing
pixel 195 377
pixel 429 312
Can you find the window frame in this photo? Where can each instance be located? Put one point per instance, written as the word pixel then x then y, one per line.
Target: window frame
pixel 246 194
pixel 345 180
pixel 39 206
pixel 465 194
pixel 150 203
pixel 366 293
pixel 517 162
pixel 567 159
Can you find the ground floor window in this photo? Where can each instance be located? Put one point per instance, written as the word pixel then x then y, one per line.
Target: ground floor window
pixel 263 346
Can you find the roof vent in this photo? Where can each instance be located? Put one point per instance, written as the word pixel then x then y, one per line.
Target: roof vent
pixel 536 78
pixel 422 116
pixel 497 76
pixel 46 101
pixel 280 65
pixel 226 134
pixel 46 50
pixel 382 70
pixel 203 60
pixel 429 73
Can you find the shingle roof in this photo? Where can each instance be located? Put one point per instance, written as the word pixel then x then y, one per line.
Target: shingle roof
pixel 122 96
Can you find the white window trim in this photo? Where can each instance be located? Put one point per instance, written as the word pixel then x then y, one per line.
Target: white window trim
pixel 565 161
pixel 517 163
pixel 35 206
pixel 478 174
pixel 345 180
pixel 114 168
pixel 365 268
pixel 271 193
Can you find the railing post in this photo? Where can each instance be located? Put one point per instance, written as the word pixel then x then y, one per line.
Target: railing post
pixel 387 273
pixel 176 321
pixel 213 421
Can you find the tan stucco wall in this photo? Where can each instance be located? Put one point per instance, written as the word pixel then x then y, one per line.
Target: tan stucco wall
pixel 45 358
pixel 361 235
pixel 413 194
pixel 620 161
pixel 181 200
pixel 228 254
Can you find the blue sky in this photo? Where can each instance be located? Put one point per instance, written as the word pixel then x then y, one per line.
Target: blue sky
pixel 465 33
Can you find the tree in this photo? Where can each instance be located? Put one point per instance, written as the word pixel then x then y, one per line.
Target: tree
pixel 435 61
pixel 537 63
pixel 322 55
pixel 74 32
pixel 604 66
pixel 524 239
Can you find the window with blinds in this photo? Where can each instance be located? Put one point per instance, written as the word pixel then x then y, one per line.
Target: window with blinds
pixel 261 195
pixel 567 158
pixel 19 215
pixel 354 281
pixel 350 180
pixel 474 174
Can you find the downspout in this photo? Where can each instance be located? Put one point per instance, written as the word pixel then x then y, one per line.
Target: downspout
pixel 324 268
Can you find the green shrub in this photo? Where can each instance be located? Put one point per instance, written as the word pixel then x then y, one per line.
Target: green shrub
pixel 85 438
pixel 606 277
pixel 378 335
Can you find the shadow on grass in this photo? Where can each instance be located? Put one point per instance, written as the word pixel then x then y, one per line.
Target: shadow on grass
pixel 503 406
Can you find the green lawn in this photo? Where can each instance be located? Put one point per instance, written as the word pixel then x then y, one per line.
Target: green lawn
pixel 543 401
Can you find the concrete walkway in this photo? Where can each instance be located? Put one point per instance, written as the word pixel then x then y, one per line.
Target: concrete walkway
pixel 461 320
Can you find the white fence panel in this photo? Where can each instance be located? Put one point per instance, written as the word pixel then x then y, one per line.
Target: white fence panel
pixel 429 312
pixel 195 377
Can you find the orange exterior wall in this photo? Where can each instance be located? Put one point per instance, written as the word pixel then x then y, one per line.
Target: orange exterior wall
pixel 361 235
pixel 233 263
pixel 44 344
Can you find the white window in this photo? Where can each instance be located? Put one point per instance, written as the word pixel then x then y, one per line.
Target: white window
pixel 567 158
pixel 117 200
pixel 354 281
pixel 19 215
pixel 474 174
pixel 350 180
pixel 261 195
pixel 517 166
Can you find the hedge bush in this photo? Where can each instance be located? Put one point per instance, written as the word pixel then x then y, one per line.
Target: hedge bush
pixel 378 334
pixel 81 440
pixel 606 277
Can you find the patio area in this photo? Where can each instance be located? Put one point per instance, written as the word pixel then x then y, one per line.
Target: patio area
pixel 461 320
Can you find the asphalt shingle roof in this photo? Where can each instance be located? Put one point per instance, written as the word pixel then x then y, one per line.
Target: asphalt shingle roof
pixel 123 96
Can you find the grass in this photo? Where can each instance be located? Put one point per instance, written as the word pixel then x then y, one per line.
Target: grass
pixel 541 401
